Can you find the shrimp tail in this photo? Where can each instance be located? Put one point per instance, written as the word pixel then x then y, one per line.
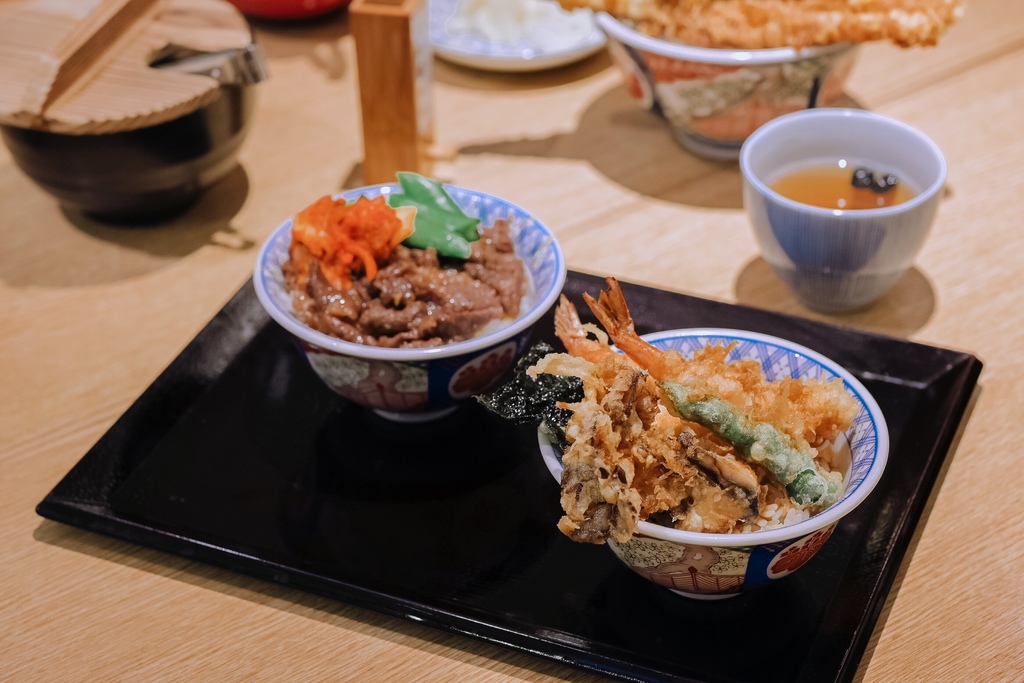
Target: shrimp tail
pixel 613 314
pixel 568 327
pixel 570 331
pixel 611 310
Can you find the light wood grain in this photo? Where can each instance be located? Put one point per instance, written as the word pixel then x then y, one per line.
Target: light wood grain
pixel 91 313
pixel 85 69
pixel 393 58
pixel 81 49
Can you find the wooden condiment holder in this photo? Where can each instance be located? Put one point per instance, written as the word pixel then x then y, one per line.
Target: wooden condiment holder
pixel 395 73
pixel 83 66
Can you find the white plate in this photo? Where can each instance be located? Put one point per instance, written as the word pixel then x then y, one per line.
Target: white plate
pixel 479 53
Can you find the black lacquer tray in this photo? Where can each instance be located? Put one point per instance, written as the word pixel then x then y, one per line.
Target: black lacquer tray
pixel 238 456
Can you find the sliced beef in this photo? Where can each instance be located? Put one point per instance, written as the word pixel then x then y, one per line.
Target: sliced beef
pixel 494 262
pixel 417 299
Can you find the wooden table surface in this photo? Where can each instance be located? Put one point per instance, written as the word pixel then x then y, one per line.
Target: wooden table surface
pixel 91 313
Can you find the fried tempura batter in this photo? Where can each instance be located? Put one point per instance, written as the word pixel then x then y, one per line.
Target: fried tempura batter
pixel 634 456
pixel 755 24
pixel 630 459
pixel 811 409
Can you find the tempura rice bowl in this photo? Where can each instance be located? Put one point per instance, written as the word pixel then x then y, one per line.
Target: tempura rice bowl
pixel 419 384
pixel 712 98
pixel 712 566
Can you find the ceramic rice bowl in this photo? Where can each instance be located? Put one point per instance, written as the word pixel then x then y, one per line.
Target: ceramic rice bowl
pixel 419 384
pixel 713 566
pixel 712 99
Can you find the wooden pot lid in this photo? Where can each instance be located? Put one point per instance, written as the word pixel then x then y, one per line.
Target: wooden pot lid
pixel 83 66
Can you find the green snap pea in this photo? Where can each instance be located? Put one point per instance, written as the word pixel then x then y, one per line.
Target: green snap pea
pixel 758 442
pixel 440 222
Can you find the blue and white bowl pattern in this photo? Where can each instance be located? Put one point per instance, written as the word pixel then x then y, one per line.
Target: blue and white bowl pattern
pixel 711 98
pixel 838 261
pixel 420 383
pixel 785 359
pixel 747 560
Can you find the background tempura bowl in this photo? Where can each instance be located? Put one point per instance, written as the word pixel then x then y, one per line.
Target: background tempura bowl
pixel 418 384
pixel 712 99
pixel 712 566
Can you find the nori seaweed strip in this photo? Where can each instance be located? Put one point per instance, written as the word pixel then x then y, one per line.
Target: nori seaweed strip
pixel 528 401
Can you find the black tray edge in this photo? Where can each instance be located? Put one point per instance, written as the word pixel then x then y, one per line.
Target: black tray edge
pixel 99 519
pixel 900 548
pixel 92 514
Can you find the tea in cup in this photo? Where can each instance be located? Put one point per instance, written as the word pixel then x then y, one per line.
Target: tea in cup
pixel 841 201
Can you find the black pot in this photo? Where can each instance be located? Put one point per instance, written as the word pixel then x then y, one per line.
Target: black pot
pixel 144 174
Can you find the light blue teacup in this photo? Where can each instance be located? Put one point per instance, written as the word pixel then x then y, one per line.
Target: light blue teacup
pixel 835 260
